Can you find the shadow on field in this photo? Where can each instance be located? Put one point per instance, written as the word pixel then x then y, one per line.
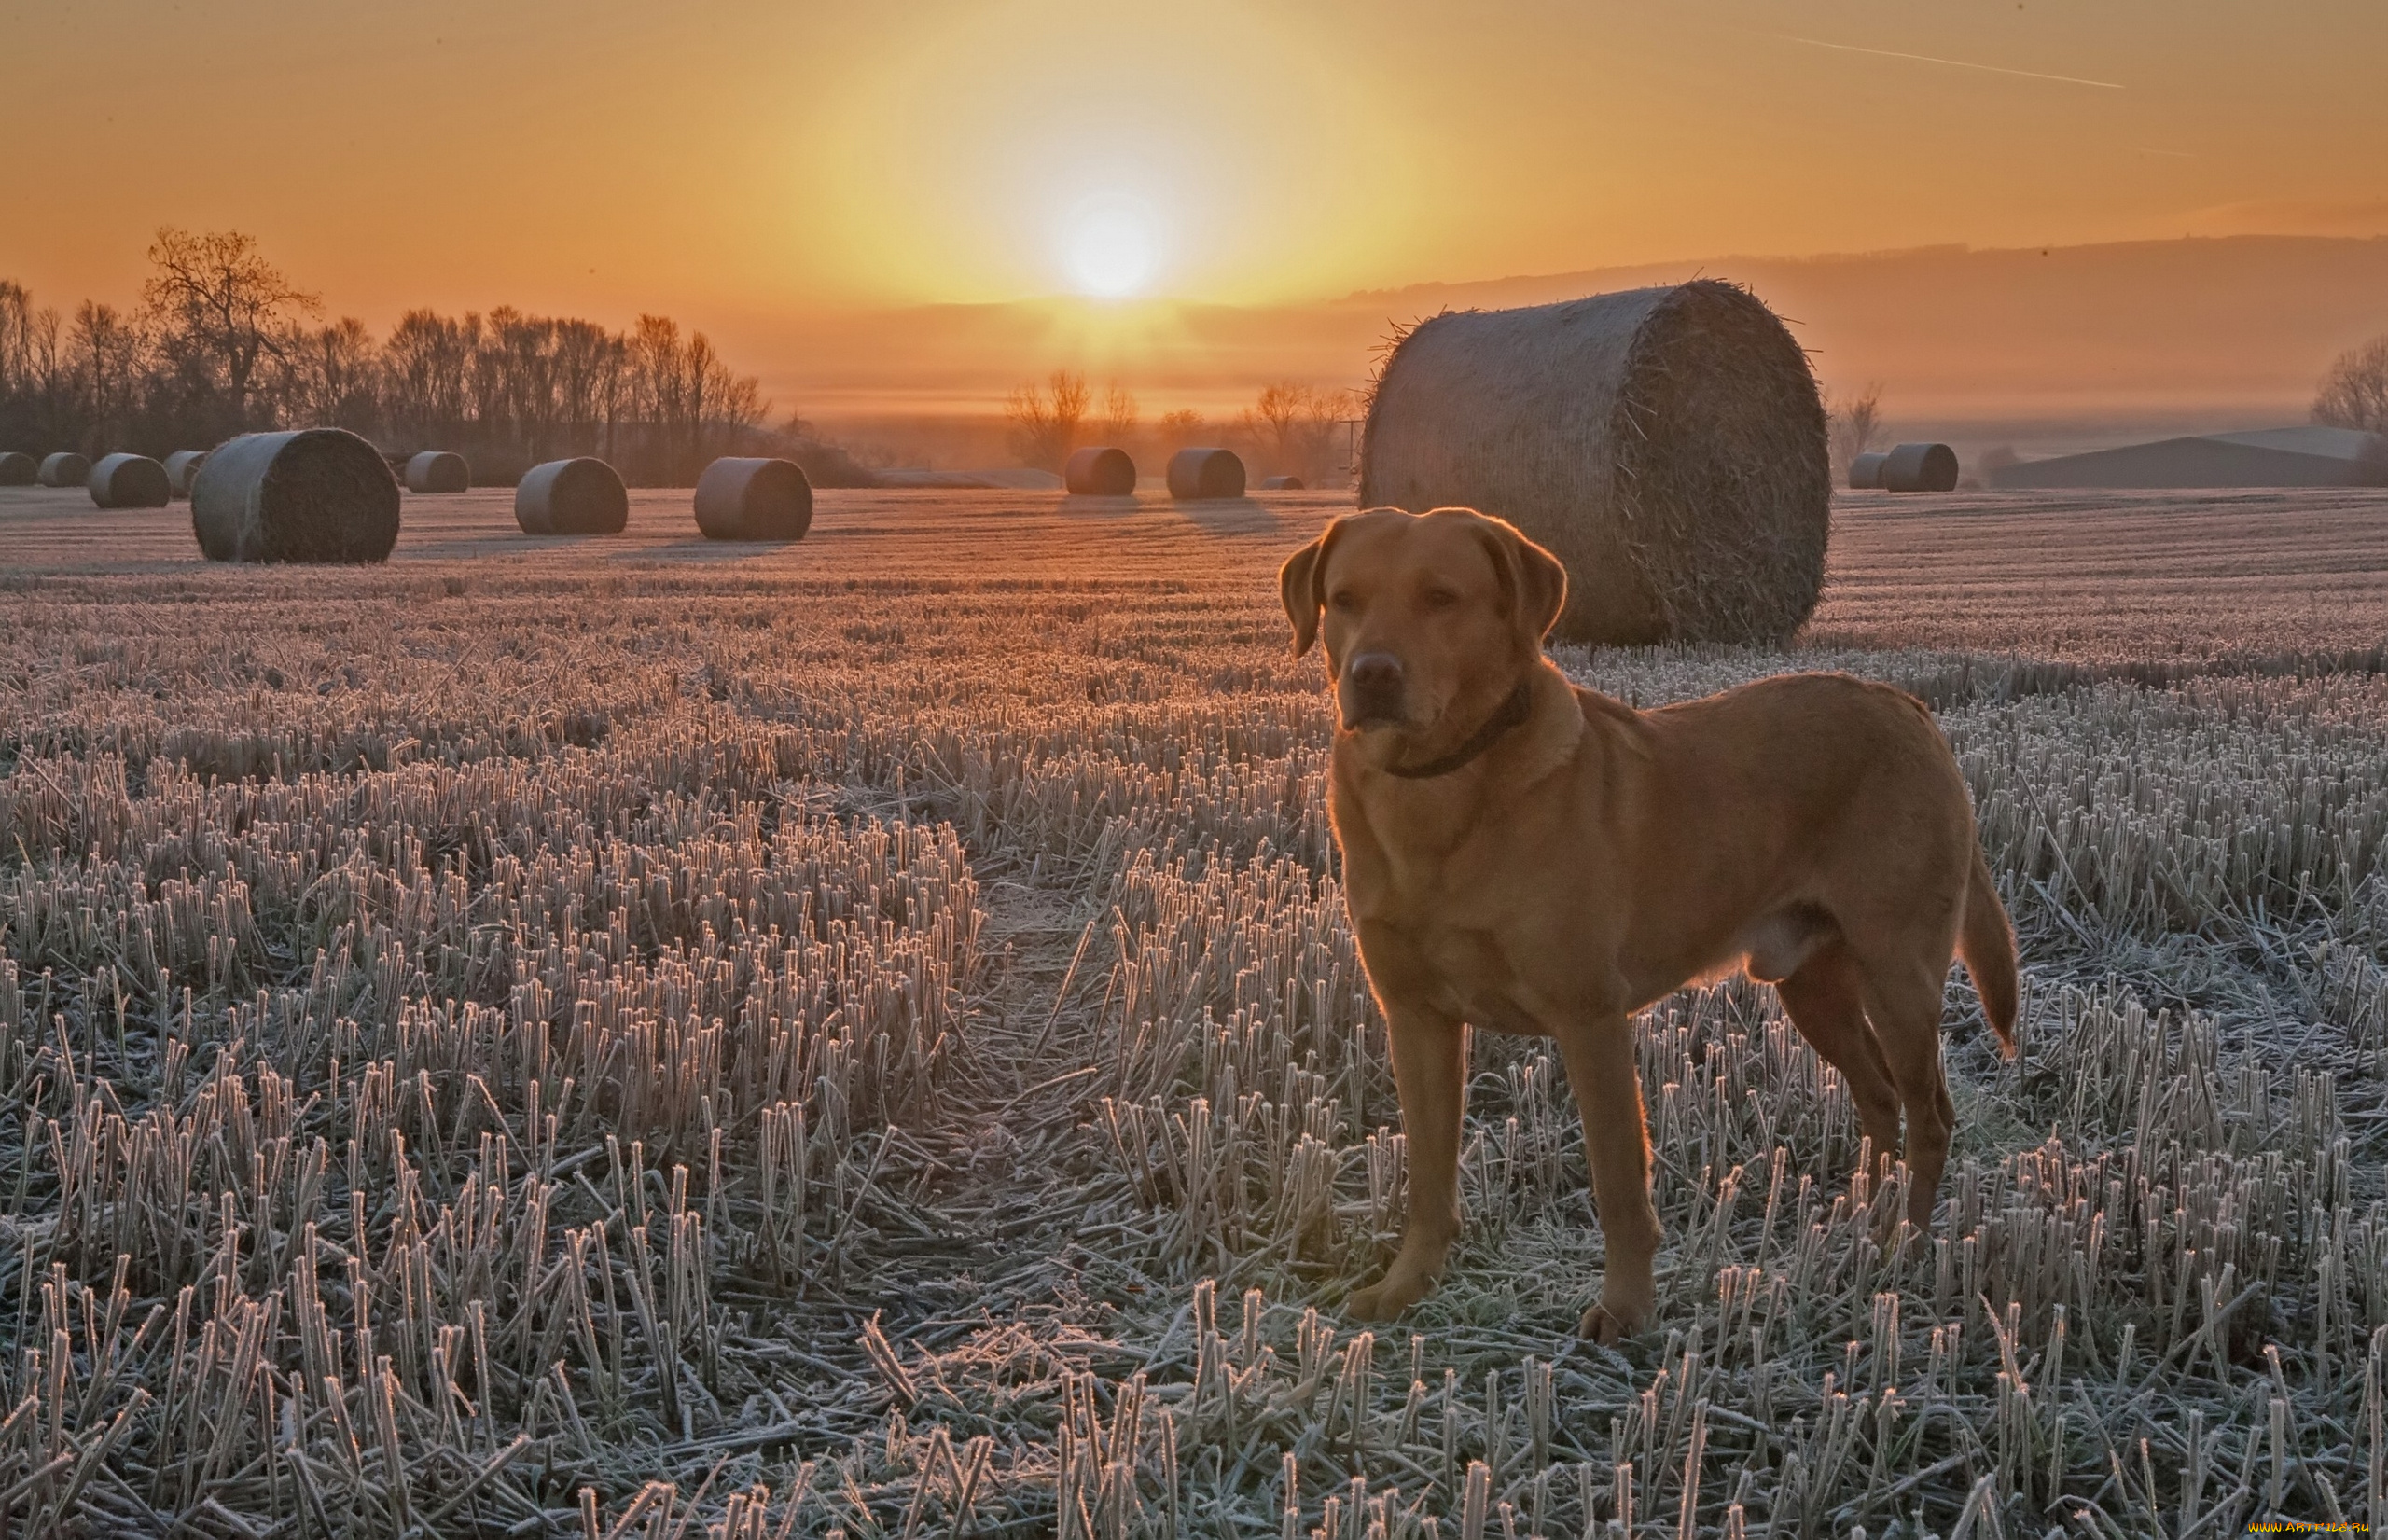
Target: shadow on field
pixel 1230 516
pixel 1090 507
pixel 707 552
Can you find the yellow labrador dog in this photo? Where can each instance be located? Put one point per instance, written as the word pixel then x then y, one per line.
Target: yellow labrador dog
pixel 1526 855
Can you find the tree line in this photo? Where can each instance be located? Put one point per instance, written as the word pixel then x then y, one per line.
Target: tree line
pixel 1290 429
pixel 223 343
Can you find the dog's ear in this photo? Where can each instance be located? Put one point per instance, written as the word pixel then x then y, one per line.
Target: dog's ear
pixel 1533 580
pixel 1542 589
pixel 1302 584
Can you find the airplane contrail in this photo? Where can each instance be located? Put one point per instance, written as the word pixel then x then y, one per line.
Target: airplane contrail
pixel 1953 63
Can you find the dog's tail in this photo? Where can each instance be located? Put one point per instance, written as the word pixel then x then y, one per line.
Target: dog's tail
pixel 1986 942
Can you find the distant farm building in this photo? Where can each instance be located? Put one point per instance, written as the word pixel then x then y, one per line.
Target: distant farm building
pixel 2271 457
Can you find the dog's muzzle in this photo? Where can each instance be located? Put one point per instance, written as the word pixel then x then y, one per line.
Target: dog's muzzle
pixel 1372 690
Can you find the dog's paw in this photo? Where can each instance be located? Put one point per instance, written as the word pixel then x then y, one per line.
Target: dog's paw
pixel 1382 1302
pixel 1605 1322
pixel 1600 1327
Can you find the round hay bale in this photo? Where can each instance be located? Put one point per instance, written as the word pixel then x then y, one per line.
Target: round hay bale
pixel 438 470
pixel 130 481
pixel 1099 472
pixel 65 469
pixel 19 470
pixel 1280 483
pixel 1867 469
pixel 742 499
pixel 315 495
pixel 1919 467
pixel 181 466
pixel 1196 474
pixel 583 497
pixel 1666 444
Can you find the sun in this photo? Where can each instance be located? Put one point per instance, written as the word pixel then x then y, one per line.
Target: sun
pixel 1111 247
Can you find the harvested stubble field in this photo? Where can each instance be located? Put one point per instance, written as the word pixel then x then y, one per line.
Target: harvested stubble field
pixel 647 1037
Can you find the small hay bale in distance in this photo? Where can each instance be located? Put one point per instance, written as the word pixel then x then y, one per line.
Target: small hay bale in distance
pixel 65 469
pixel 1099 471
pixel 310 495
pixel 438 470
pixel 130 481
pixel 1280 483
pixel 754 499
pixel 1667 444
pixel 17 469
pixel 581 496
pixel 1919 467
pixel 182 466
pixel 1198 475
pixel 1865 471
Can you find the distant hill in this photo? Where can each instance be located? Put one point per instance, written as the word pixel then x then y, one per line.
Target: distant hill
pixel 2193 334
pixel 2238 322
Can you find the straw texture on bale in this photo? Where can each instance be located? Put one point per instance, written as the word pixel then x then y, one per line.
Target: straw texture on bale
pixel 583 497
pixel 754 499
pixel 17 469
pixel 1195 475
pixel 1666 444
pixel 438 470
pixel 1919 467
pixel 65 469
pixel 1096 471
pixel 314 495
pixel 182 466
pixel 1280 483
pixel 130 481
pixel 1867 469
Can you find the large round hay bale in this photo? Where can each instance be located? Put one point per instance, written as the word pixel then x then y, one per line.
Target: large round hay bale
pixel 130 481
pixel 1919 467
pixel 1096 471
pixel 1666 444
pixel 17 469
pixel 180 467
pixel 1280 483
pixel 315 495
pixel 65 469
pixel 438 470
pixel 1195 475
pixel 583 497
pixel 1867 469
pixel 745 499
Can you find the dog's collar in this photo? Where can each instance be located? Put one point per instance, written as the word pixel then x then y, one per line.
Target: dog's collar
pixel 1513 714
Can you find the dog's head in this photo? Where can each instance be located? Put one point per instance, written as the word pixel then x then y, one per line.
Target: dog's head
pixel 1426 617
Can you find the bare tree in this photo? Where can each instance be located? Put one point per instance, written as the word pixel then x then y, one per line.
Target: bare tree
pixel 16 337
pixel 1292 427
pixel 332 375
pixel 224 304
pixel 1045 421
pixel 1119 419
pixel 2355 393
pixel 427 378
pixel 1850 423
pixel 104 354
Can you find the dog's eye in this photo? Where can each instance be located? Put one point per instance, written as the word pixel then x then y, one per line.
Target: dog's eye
pixel 1440 598
pixel 1342 598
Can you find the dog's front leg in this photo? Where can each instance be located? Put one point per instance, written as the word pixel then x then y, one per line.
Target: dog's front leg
pixel 1430 1070
pixel 1616 1144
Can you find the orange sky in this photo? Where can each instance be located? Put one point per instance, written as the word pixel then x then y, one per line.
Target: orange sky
pixel 746 166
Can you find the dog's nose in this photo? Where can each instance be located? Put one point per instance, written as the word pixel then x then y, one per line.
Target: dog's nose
pixel 1376 679
pixel 1376 671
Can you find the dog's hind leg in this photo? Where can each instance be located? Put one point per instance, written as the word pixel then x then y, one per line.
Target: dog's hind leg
pixel 1826 1002
pixel 1905 1002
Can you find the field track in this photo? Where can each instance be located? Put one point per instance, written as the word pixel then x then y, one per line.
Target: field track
pixel 552 1034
